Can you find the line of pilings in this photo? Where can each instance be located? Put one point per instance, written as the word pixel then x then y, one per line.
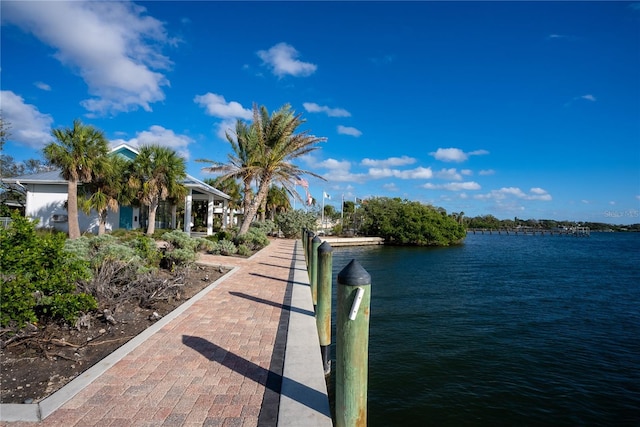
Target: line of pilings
pixel 352 327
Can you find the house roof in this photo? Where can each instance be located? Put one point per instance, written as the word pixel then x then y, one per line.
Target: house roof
pixel 50 177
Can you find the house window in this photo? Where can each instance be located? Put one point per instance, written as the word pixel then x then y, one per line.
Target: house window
pixel 163 216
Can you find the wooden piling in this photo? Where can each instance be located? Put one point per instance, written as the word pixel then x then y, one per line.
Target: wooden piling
pixel 323 312
pixel 352 345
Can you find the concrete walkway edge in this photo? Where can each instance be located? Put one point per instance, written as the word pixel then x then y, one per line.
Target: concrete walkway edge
pixel 304 400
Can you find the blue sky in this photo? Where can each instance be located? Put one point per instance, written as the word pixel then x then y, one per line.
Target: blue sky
pixel 527 109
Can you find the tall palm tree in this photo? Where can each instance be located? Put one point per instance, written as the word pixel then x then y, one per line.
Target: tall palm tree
pixel 277 145
pixel 241 163
pixel 262 153
pixel 107 190
pixel 76 151
pixel 156 175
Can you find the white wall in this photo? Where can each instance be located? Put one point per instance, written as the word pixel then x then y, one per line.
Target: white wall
pixel 46 200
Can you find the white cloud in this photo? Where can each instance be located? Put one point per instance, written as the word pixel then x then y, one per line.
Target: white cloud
pixel 346 130
pixel 27 125
pixel 43 86
pixel 340 171
pixel 453 186
pixel 217 106
pixel 487 172
pixel 535 193
pixel 455 154
pixel 157 135
pixel 391 161
pixel 226 126
pixel 466 172
pixel 588 97
pixel 449 174
pixel 417 173
pixel 390 187
pixel 112 45
pixel 312 107
pixel 281 58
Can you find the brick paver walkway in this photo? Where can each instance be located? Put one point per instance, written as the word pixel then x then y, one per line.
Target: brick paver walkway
pixel 214 365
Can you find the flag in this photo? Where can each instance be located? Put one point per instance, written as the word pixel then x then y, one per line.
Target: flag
pixel 302 182
pixel 326 196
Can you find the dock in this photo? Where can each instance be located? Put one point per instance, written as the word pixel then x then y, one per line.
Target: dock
pixel 532 231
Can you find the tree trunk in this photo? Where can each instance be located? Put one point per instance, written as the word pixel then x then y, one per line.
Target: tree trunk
pixel 253 207
pixel 72 209
pixel 151 227
pixel 102 224
pixel 263 210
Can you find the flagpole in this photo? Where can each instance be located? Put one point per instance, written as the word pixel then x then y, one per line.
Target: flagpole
pixel 322 223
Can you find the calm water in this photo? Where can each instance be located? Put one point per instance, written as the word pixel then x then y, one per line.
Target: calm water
pixel 504 330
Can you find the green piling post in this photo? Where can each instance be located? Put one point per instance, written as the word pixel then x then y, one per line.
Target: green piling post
pixel 323 313
pixel 309 246
pixel 352 345
pixel 303 238
pixel 313 269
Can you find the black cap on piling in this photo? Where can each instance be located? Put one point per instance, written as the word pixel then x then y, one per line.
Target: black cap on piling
pixel 325 247
pixel 316 240
pixel 354 275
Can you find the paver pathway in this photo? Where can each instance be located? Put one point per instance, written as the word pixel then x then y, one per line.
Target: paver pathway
pixel 213 365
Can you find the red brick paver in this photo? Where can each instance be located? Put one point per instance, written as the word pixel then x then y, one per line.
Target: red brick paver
pixel 207 367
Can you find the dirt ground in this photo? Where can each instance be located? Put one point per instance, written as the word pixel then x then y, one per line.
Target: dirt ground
pixel 33 368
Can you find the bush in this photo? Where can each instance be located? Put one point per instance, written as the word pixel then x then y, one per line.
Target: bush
pixel 38 277
pixel 227 247
pixel 244 250
pixel 204 244
pixel 267 227
pixel 255 239
pixel 178 257
pixel 180 240
pixel 291 223
pixel 147 249
pixel 224 235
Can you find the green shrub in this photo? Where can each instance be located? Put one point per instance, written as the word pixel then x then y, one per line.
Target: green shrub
pixel 204 244
pixel 147 249
pixel 244 250
pixel 178 257
pixel 267 227
pixel 291 223
pixel 225 235
pixel 180 239
pixel 215 248
pixel 38 277
pixel 227 247
pixel 255 239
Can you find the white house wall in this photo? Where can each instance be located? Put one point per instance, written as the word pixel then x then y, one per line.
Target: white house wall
pixel 45 202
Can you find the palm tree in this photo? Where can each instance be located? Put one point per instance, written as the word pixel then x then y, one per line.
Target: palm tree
pixel 241 162
pixel 107 189
pixel 277 145
pixel 156 175
pixel 277 200
pixel 76 152
pixel 262 153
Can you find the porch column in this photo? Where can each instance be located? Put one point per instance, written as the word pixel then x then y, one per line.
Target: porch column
pixel 210 216
pixel 226 214
pixel 188 201
pixel 174 210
